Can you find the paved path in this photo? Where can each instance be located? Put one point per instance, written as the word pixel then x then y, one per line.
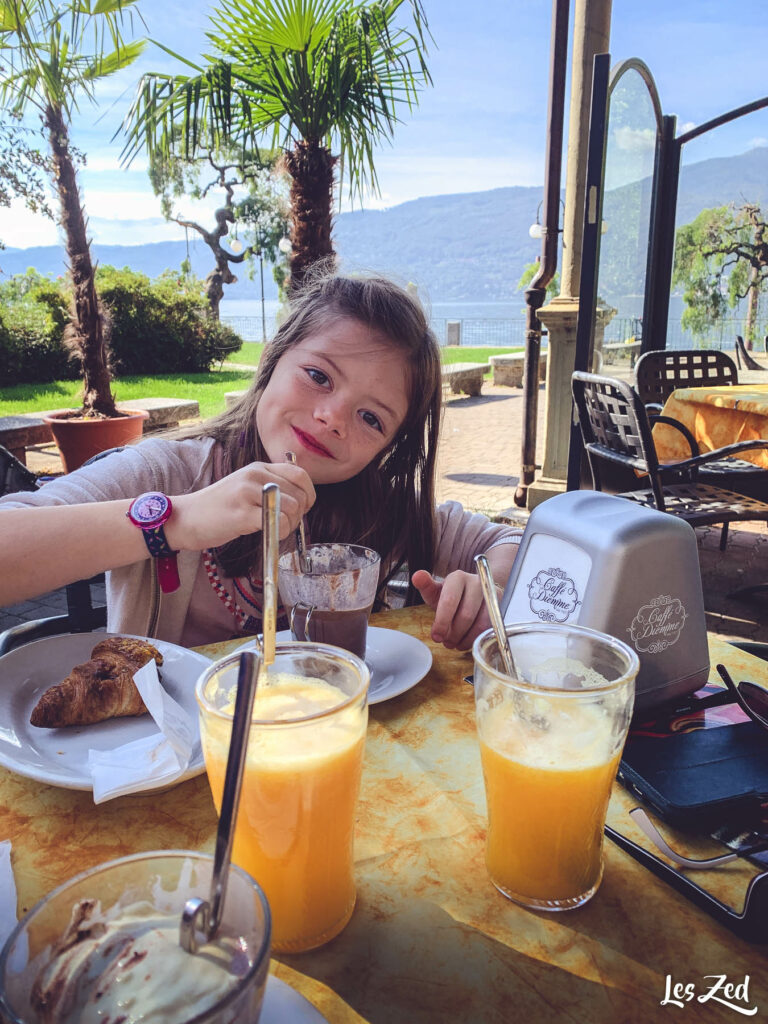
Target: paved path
pixel 478 465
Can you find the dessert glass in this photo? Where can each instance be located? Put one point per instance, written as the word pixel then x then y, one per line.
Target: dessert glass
pixel 161 881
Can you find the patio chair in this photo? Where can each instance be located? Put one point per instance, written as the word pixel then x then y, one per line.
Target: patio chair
pixel 616 429
pixel 658 374
pixel 81 615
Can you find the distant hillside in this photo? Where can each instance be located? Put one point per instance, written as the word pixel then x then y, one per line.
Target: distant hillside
pixel 470 246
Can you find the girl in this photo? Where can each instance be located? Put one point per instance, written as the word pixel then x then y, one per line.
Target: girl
pixel 351 384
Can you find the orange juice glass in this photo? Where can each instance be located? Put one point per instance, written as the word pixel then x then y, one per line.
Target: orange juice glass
pixel 295 825
pixel 551 736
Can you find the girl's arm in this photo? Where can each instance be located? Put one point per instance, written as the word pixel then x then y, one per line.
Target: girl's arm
pixel 43 548
pixel 460 613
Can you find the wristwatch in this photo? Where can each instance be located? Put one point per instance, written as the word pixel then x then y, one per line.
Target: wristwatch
pixel 149 512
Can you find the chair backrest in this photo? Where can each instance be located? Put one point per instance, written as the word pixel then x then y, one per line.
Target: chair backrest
pixel 658 374
pixel 14 475
pixel 614 426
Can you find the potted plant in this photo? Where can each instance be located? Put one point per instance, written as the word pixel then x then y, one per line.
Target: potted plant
pixel 52 54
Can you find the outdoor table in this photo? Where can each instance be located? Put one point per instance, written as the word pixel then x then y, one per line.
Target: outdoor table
pixel 716 417
pixel 431 940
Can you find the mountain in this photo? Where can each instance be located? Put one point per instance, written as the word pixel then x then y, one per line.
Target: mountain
pixel 470 246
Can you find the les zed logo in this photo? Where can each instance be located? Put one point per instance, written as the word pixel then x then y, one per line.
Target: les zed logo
pixel 735 997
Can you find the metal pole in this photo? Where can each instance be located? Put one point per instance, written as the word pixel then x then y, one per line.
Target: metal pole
pixel 263 314
pixel 537 292
pixel 590 253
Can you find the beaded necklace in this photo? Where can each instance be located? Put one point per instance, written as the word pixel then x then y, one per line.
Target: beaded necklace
pixel 246 622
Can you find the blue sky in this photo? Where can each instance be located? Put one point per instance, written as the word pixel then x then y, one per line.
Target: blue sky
pixel 481 125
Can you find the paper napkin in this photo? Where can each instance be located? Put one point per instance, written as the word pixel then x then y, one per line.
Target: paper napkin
pixel 7 893
pixel 150 762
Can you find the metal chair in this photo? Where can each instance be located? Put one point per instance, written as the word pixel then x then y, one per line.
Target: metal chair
pixel 81 615
pixel 658 374
pixel 615 428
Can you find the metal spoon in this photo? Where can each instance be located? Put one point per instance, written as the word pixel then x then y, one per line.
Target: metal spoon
pixel 205 915
pixel 305 562
pixel 270 503
pixel 494 613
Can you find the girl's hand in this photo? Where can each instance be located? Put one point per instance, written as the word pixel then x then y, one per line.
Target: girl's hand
pixel 231 507
pixel 460 613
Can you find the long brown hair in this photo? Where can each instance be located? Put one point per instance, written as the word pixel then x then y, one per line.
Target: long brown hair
pixel 389 505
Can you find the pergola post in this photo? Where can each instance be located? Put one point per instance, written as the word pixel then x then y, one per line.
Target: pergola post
pixel 591 35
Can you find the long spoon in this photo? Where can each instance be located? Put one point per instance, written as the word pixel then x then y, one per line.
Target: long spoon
pixel 270 504
pixel 205 915
pixel 305 562
pixel 494 613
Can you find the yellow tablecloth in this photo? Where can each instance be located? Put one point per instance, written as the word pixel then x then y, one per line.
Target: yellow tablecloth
pixel 716 417
pixel 430 939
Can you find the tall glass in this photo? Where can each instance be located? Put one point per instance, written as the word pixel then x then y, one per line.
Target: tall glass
pixel 551 736
pixel 295 826
pixel 331 603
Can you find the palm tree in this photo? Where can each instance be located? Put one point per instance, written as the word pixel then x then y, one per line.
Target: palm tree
pixel 309 76
pixel 52 54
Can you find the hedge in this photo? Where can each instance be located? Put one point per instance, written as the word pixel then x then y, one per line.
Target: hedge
pixel 157 326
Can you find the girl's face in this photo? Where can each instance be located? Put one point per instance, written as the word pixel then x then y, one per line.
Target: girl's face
pixel 336 399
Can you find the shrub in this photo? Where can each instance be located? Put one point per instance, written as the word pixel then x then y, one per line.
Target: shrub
pixel 30 337
pixel 157 326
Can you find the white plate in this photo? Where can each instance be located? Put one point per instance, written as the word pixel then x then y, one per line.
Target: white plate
pixel 60 756
pixel 397 661
pixel 284 1005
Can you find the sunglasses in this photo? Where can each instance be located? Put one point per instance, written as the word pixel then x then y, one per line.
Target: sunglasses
pixel 751 698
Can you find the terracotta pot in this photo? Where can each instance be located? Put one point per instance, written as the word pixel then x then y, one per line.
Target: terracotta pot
pixel 79 439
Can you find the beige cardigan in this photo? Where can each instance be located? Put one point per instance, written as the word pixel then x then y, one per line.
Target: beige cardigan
pixel 180 467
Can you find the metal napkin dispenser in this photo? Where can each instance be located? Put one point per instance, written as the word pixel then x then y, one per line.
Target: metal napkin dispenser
pixel 632 572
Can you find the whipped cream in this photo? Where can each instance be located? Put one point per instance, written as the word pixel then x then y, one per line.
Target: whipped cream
pixel 131 969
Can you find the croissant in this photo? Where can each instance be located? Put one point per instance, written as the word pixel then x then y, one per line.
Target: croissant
pixel 100 688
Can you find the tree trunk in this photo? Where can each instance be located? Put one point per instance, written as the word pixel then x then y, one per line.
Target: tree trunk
pixel 311 167
pixel 752 306
pixel 85 333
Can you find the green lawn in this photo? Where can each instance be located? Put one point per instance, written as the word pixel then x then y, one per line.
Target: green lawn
pixel 248 355
pixel 464 354
pixel 207 388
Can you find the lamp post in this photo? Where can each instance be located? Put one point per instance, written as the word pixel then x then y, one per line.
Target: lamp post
pixel 260 254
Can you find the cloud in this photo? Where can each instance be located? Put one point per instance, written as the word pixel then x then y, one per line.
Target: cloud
pixel 635 140
pixel 111 164
pixel 757 143
pixel 686 126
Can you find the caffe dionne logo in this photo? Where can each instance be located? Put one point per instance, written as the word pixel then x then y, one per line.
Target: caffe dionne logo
pixel 553 595
pixel 658 624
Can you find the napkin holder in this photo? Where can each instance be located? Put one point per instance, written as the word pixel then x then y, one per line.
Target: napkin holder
pixel 610 564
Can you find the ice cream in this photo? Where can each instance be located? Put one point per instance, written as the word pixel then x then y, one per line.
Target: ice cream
pixel 131 968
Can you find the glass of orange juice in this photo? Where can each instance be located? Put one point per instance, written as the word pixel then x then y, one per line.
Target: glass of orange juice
pixel 295 825
pixel 551 735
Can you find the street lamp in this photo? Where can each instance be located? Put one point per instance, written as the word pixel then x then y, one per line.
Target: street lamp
pixel 284 245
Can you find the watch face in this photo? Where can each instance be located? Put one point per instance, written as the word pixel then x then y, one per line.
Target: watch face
pixel 150 509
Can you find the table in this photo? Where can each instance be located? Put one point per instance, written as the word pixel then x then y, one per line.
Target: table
pixel 431 940
pixel 716 417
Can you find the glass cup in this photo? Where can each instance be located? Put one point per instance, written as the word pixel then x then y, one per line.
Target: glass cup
pixel 332 603
pixel 295 826
pixel 105 977
pixel 551 737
